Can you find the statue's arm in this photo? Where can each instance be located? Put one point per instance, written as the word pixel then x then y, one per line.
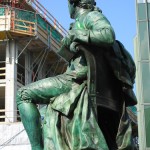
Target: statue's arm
pixel 98 31
pixel 101 32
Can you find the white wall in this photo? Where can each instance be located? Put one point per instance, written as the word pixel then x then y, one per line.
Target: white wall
pixel 10 139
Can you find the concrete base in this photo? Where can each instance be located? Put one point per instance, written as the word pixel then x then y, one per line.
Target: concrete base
pixel 17 147
pixel 13 137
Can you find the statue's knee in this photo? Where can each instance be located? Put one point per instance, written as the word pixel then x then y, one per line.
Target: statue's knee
pixel 23 96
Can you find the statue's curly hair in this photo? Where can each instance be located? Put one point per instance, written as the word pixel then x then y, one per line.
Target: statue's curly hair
pixel 77 1
pixel 73 1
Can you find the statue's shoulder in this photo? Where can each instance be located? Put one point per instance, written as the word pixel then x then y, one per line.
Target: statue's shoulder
pixel 96 15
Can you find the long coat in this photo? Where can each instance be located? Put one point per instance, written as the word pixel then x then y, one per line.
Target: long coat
pixel 70 119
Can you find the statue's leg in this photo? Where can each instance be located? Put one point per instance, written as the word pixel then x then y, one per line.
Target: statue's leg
pixel 38 92
pixel 109 122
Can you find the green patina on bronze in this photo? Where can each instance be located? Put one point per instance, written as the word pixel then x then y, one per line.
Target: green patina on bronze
pixel 75 105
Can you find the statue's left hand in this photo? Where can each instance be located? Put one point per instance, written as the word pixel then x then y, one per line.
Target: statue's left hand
pixel 79 35
pixel 66 41
pixel 76 35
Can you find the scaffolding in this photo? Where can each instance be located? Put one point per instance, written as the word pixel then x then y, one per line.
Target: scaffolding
pixel 29 40
pixel 24 22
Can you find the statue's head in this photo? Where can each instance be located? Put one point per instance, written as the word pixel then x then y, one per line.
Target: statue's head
pixel 84 4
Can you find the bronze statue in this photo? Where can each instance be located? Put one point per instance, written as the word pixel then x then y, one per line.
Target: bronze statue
pixel 86 104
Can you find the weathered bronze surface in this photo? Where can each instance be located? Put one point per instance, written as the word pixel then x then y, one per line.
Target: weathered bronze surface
pixel 86 106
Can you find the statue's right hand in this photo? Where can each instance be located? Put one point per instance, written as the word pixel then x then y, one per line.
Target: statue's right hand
pixel 73 47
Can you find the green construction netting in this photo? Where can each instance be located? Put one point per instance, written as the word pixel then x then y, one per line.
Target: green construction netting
pixel 44 25
pixel 56 35
pixel 24 16
pixel 2 11
pixel 41 22
pixel 31 17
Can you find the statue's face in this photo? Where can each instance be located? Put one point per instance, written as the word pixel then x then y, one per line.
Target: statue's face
pixel 71 10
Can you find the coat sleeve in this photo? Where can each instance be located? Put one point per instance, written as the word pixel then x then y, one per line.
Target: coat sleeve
pixel 97 30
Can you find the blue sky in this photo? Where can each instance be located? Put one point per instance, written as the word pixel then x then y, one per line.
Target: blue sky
pixel 120 13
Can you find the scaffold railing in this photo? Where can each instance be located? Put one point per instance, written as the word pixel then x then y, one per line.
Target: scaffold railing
pixel 27 22
pixel 11 19
pixel 4 18
pixel 48 16
pixel 2 74
pixel 23 21
pixel 39 8
pixel 2 70
pixel 5 115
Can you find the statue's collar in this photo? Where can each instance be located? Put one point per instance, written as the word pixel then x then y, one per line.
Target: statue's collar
pixel 80 12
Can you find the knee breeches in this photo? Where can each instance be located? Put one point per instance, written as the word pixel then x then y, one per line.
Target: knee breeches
pixel 41 91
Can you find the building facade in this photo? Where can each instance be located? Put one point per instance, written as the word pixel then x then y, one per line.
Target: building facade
pixel 29 40
pixel 142 59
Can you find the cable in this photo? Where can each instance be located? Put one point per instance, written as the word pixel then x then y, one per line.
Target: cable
pixel 44 61
pixel 37 58
pixel 39 64
pixel 50 69
pixel 57 66
pixel 23 50
pixel 9 140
